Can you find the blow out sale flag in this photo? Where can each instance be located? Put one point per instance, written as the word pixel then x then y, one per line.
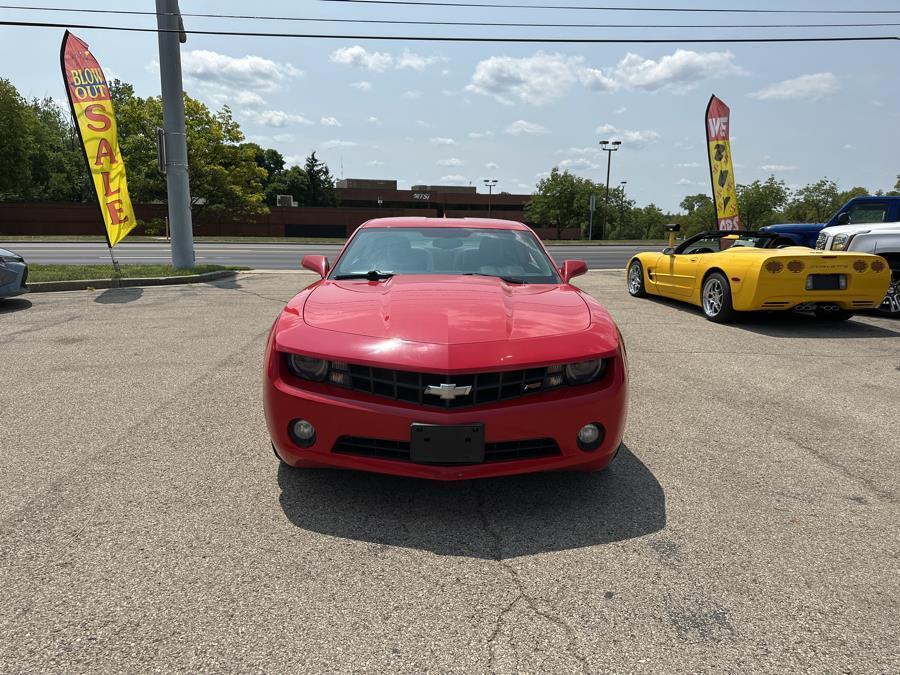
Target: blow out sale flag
pixel 92 108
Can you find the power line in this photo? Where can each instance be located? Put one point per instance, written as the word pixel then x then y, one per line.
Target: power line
pixel 498 5
pixel 502 24
pixel 423 38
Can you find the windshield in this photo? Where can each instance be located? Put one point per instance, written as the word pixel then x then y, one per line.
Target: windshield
pixel 514 255
pixel 714 243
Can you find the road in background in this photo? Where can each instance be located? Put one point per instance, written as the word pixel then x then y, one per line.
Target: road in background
pixel 266 256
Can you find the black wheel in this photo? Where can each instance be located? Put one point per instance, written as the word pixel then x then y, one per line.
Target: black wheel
pixel 831 314
pixel 636 280
pixel 716 299
pixel 890 306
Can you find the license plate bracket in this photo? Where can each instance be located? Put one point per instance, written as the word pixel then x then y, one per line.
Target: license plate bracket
pixel 826 282
pixel 446 444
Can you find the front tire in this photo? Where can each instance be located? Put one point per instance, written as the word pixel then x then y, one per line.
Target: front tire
pixel 715 299
pixel 890 306
pixel 636 280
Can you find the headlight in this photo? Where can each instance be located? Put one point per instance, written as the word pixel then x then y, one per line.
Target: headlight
pixel 840 242
pixel 584 371
pixel 11 258
pixel 307 367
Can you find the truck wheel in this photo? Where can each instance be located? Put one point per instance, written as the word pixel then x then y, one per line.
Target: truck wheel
pixel 891 303
pixel 716 299
pixel 636 280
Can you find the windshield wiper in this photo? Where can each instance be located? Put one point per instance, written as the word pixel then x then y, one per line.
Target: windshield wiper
pixel 509 280
pixel 371 275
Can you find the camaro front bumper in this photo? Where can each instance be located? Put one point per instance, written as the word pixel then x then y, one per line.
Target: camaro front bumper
pixel 538 421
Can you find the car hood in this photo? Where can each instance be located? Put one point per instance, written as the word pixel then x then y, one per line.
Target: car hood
pixel 446 309
pixel 793 227
pixel 861 227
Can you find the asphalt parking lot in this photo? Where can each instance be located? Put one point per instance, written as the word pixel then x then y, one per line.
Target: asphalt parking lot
pixel 751 525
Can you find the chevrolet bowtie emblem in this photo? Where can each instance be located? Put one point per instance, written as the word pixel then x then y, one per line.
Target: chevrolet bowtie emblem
pixel 447 392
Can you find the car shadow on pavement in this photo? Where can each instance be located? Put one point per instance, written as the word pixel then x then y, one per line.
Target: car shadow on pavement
pixel 119 296
pixel 493 518
pixel 797 325
pixel 13 305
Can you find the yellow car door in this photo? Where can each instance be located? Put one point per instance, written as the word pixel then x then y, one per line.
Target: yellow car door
pixel 684 273
pixel 660 273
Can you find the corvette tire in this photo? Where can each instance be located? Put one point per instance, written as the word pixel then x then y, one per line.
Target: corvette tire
pixel 715 299
pixel 636 280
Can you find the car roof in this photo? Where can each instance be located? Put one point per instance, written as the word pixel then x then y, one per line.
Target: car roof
pixel 419 221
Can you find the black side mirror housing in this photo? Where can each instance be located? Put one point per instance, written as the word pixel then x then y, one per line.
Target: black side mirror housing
pixel 668 250
pixel 843 218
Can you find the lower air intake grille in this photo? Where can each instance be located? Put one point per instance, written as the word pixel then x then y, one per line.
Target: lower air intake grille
pixel 506 451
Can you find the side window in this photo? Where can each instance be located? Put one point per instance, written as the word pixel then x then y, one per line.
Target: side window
pixel 706 245
pixel 867 213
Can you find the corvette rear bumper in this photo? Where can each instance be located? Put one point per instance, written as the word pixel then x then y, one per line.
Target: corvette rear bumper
pixel 555 417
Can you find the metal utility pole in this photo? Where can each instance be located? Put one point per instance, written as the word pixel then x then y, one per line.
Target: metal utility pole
pixel 168 20
pixel 608 147
pixel 622 185
pixel 592 206
pixel 490 186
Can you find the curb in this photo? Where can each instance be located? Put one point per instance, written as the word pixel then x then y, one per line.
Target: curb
pixel 85 284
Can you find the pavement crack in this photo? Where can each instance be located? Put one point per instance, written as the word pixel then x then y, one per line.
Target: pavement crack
pixel 522 595
pixel 843 470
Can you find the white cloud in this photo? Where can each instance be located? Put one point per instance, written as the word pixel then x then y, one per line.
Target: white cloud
pixel 362 85
pixel 330 122
pixel 453 179
pixel 412 95
pixel 373 120
pixel 634 139
pixel 848 146
pixel 688 165
pixel 536 79
pixel 334 143
pixel 778 167
pixel 294 160
pixel 578 163
pixel 543 78
pixel 242 98
pixel 686 181
pixel 375 162
pixel 275 118
pixel 521 127
pixel 452 161
pixel 359 57
pixel 424 124
pixel 437 140
pixel 237 75
pixel 480 134
pixel 621 110
pixel 806 87
pixel 492 165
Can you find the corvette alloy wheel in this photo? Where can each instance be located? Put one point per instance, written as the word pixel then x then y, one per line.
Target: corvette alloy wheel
pixel 713 295
pixel 891 303
pixel 636 280
pixel 716 299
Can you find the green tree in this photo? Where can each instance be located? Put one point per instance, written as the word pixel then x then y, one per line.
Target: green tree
pixel 292 182
pixel 14 142
pixel 896 191
pixel 700 216
pixel 761 202
pixel 56 159
pixel 562 200
pixel 652 221
pixel 319 183
pixel 813 203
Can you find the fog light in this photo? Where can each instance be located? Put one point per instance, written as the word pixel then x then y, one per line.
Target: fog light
pixel 590 436
pixel 303 433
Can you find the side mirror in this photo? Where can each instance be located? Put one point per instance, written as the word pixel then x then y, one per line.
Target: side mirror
pixel 573 268
pixel 668 250
pixel 843 218
pixel 316 263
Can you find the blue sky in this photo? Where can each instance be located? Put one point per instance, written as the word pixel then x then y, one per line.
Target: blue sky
pixel 458 113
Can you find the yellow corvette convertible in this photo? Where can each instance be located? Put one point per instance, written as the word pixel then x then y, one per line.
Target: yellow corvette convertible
pixel 728 272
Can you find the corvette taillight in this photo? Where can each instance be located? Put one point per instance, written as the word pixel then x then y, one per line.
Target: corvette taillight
pixel 878 266
pixel 796 266
pixel 774 266
pixel 860 265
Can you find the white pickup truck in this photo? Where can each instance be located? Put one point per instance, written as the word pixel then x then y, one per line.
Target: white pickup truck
pixel 879 238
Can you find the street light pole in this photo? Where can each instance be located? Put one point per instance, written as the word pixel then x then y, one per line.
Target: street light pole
pixel 490 186
pixel 610 148
pixel 622 185
pixel 168 20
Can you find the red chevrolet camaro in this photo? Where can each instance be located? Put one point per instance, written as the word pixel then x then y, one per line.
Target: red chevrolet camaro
pixel 446 349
